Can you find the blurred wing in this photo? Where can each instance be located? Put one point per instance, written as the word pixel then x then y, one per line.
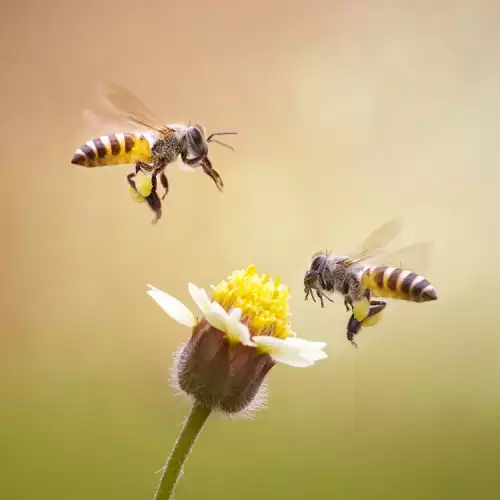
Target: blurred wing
pixel 118 109
pixel 376 242
pixel 417 257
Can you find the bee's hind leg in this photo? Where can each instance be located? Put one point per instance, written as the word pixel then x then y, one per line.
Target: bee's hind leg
pixel 154 201
pixel 206 164
pixel 130 180
pixel 164 183
pixel 374 316
pixel 353 328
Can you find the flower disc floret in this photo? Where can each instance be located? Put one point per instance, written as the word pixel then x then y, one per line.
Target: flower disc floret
pixel 262 300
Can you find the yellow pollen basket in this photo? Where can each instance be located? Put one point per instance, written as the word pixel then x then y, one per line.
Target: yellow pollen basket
pixel 143 184
pixel 264 301
pixel 143 187
pixel 373 320
pixel 361 309
pixel 136 196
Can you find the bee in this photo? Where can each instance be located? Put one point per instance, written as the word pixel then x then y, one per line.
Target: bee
pixel 362 282
pixel 144 142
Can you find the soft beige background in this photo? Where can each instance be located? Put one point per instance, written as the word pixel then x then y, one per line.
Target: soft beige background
pixel 349 113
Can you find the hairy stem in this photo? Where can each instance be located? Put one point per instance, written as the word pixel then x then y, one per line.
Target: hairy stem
pixel 173 468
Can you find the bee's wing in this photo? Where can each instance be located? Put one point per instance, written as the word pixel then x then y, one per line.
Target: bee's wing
pixel 376 242
pixel 417 257
pixel 116 108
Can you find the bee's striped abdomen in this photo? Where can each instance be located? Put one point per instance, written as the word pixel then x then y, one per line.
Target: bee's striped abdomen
pixel 395 283
pixel 116 149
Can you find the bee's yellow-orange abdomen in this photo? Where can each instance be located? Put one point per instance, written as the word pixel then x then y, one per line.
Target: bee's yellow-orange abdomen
pixel 395 283
pixel 116 149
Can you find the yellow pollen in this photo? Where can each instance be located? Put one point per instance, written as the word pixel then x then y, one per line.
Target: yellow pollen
pixel 143 187
pixel 264 301
pixel 143 184
pixel 138 198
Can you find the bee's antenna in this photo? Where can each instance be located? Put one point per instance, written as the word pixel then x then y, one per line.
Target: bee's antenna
pixel 210 138
pixel 222 144
pixel 220 133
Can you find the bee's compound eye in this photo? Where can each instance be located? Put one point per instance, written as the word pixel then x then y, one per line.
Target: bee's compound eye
pixel 317 262
pixel 195 135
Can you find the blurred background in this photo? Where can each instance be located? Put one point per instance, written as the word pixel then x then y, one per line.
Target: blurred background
pixel 348 113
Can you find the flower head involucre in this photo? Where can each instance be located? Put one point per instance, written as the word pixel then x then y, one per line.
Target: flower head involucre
pixel 242 333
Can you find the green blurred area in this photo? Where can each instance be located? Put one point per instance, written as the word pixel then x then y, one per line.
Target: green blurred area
pixel 349 114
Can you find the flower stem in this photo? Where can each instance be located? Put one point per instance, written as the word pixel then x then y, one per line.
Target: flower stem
pixel 173 468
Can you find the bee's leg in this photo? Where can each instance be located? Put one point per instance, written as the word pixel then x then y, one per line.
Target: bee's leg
pixel 145 167
pixel 154 202
pixel 323 283
pixel 323 296
pixel 211 172
pixel 309 291
pixel 131 182
pixel 320 297
pixel 191 161
pixel 374 315
pixel 376 306
pixel 347 303
pixel 353 327
pixel 164 183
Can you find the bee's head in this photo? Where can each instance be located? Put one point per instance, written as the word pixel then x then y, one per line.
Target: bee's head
pixel 314 271
pixel 197 143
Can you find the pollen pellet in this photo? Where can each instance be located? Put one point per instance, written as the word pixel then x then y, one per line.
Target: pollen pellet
pixel 137 197
pixel 143 184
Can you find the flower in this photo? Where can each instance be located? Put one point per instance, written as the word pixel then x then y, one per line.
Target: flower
pixel 242 332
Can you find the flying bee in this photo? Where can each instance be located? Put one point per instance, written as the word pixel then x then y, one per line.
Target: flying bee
pixel 144 142
pixel 358 279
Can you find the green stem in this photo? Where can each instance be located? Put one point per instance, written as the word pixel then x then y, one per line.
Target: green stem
pixel 173 468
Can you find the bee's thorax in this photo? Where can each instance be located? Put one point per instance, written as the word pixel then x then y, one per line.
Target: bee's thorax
pixel 167 149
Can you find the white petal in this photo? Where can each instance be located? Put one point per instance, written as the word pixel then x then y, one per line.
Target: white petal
pixel 314 355
pixel 216 307
pixel 291 359
pixel 269 343
pixel 218 320
pixel 305 344
pixel 235 314
pixel 236 329
pixel 173 307
pixel 218 317
pixel 200 297
pixel 291 351
pixel 313 351
pixel 240 331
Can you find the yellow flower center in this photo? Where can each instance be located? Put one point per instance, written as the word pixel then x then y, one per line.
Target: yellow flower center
pixel 263 301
